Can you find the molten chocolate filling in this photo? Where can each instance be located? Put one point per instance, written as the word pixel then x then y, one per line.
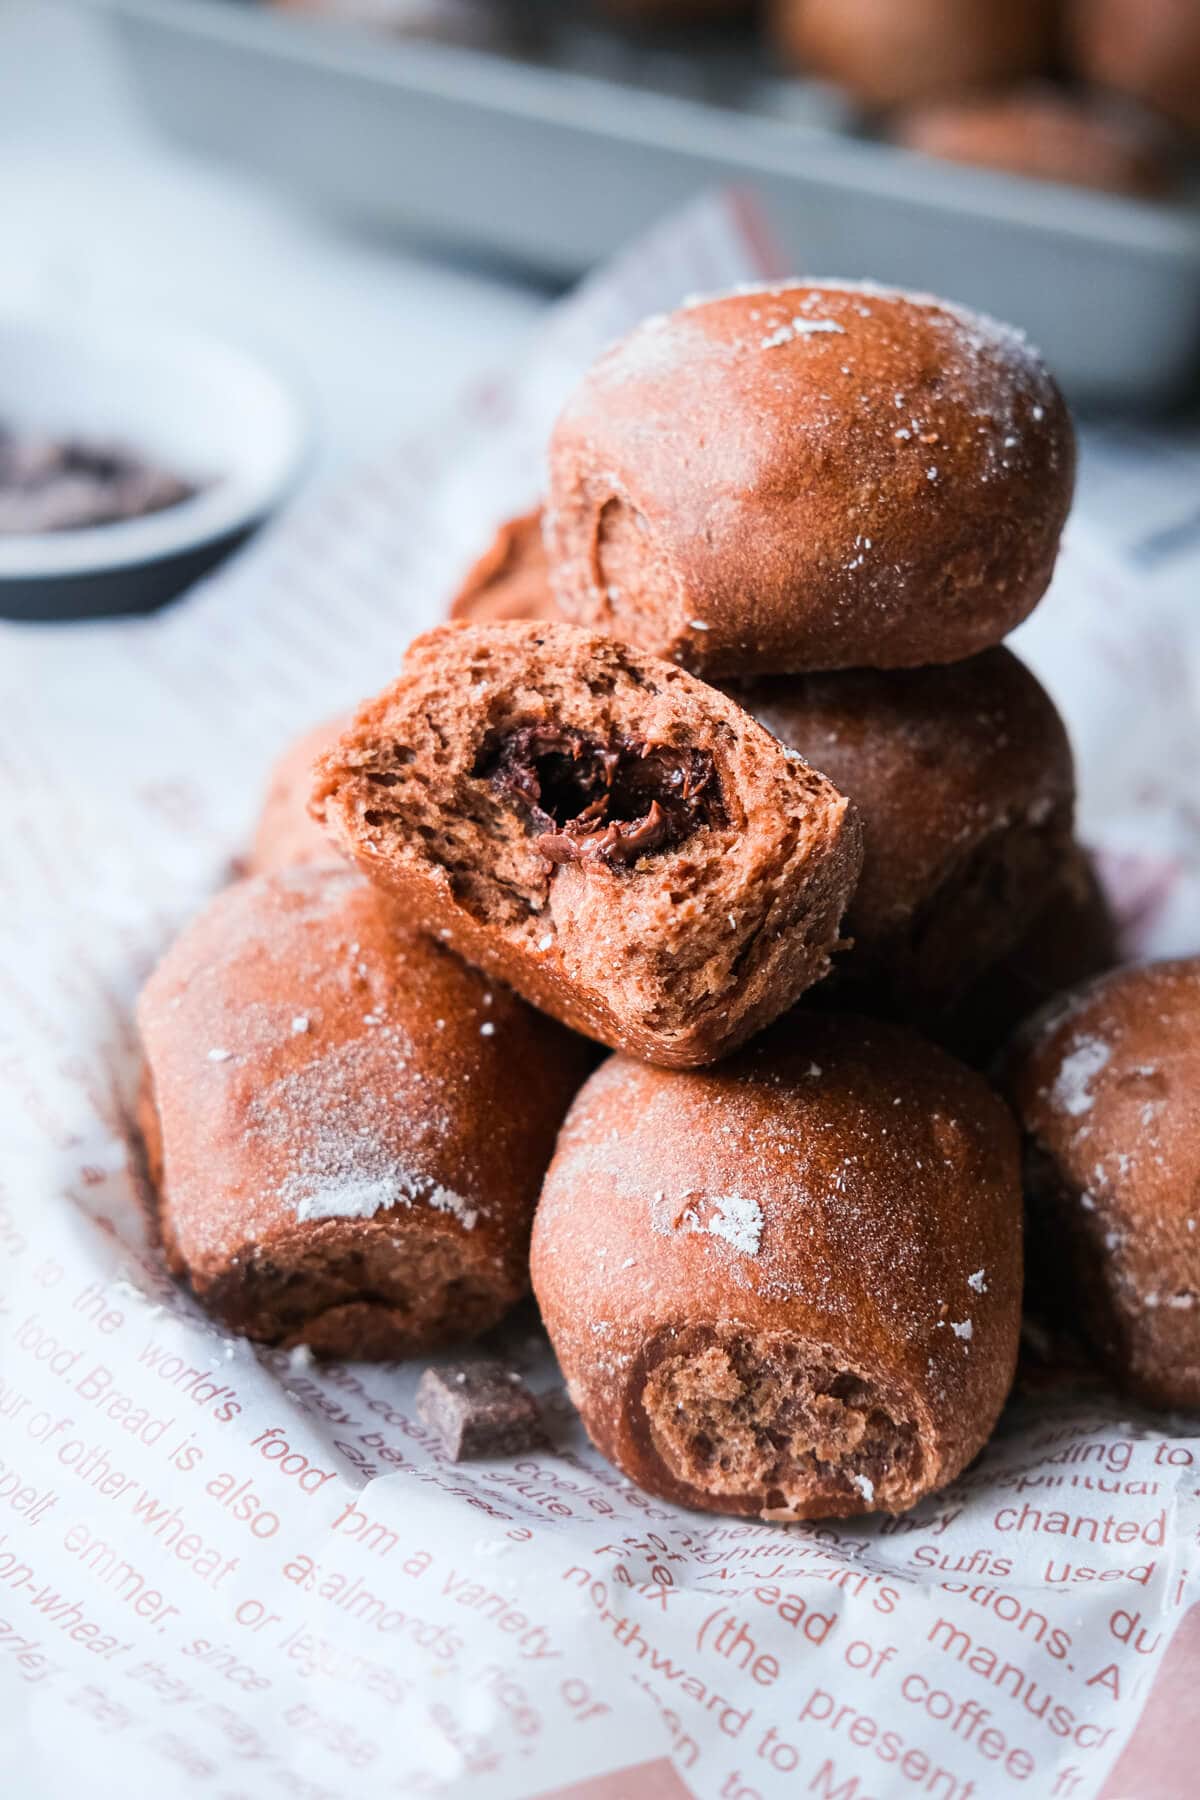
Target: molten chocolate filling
pixel 611 802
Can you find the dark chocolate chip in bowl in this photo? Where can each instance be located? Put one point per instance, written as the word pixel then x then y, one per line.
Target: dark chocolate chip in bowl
pixel 479 1409
pixel 47 484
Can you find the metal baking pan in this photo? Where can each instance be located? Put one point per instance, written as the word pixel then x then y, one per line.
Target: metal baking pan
pixel 534 160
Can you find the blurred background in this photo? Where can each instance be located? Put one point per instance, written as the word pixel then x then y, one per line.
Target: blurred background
pixel 379 198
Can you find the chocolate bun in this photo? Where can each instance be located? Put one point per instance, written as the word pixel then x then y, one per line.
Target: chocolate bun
pixel 790 1286
pixel 890 52
pixel 1149 49
pixel 1073 938
pixel 510 580
pixel 621 843
pixel 810 477
pixel 964 785
pixel 1106 1085
pixel 346 1126
pixel 287 836
pixel 1044 133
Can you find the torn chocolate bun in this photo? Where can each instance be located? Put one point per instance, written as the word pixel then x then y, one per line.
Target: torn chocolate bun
pixel 510 580
pixel 1105 1083
pixel 790 1286
pixel 810 477
pixel 345 1125
pixel 287 836
pixel 964 785
pixel 624 845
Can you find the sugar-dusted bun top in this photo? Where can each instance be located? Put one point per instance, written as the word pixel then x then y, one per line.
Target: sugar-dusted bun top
pixel 810 476
pixel 840 1174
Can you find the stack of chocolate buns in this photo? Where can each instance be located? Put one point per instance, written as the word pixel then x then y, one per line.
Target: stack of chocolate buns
pixel 719 765
pixel 835 503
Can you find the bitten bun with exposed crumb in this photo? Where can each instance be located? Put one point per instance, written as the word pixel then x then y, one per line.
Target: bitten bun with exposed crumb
pixel 345 1126
pixel 809 477
pixel 287 836
pixel 964 782
pixel 890 52
pixel 789 1287
pixel 620 842
pixel 510 580
pixel 1107 1085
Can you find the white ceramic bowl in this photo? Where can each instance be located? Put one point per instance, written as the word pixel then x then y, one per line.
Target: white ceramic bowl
pixel 209 412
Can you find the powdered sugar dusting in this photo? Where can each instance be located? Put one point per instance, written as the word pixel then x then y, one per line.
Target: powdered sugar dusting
pixel 739 1221
pixel 1072 1092
pixel 361 1197
pixel 349 1199
pixel 801 327
pixel 981 325
pixel 445 1200
pixel 360 1129
pixel 734 1218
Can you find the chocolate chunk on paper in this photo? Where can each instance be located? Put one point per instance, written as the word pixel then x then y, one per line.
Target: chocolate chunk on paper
pixel 479 1409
